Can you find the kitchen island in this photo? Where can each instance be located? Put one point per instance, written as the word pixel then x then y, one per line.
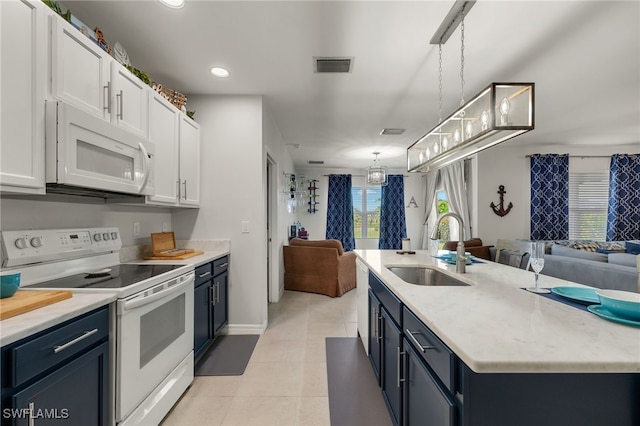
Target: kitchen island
pixel 516 358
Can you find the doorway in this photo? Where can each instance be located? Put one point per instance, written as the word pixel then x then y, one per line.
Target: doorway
pixel 271 202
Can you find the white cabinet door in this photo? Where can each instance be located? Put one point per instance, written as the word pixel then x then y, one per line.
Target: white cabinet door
pixel 129 100
pixel 163 133
pixel 80 70
pixel 23 88
pixel 189 162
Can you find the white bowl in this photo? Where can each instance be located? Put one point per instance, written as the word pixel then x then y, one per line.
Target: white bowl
pixel 624 304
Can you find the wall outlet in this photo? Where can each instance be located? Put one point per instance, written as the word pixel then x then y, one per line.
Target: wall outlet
pixel 136 229
pixel 166 227
pixel 245 226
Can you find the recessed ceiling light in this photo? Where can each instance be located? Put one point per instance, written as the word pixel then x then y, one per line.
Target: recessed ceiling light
pixel 174 4
pixel 219 72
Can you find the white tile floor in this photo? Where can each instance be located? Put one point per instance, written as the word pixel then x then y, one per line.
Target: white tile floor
pixel 285 382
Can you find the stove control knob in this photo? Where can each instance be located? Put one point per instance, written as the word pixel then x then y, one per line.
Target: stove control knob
pixel 21 243
pixel 97 237
pixel 36 242
pixel 105 236
pixel 114 235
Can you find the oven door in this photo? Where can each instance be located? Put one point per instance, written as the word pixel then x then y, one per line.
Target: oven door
pixel 154 334
pixel 85 151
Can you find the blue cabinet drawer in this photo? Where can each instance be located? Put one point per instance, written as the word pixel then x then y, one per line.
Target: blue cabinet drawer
pixel 436 354
pixel 388 299
pixel 56 345
pixel 203 273
pixel 220 265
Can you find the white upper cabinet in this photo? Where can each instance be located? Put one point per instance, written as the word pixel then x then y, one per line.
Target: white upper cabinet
pixel 189 162
pixel 23 86
pixel 88 77
pixel 163 133
pixel 130 101
pixel 80 70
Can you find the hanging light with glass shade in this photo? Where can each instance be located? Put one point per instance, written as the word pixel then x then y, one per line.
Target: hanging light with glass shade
pixel 377 174
pixel 499 112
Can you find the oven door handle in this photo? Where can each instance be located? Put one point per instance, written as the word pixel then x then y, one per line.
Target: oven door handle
pixel 136 302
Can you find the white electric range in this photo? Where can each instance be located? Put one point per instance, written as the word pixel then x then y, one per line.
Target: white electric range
pixel 154 310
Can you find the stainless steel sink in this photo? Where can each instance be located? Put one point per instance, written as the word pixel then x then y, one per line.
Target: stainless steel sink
pixel 425 276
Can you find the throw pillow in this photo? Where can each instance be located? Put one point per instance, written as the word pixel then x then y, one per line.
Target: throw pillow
pixel 633 247
pixel 584 246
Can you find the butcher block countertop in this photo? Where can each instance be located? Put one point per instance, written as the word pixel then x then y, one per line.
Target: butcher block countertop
pixel 24 325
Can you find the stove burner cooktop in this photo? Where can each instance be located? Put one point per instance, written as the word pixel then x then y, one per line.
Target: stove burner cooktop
pixel 117 276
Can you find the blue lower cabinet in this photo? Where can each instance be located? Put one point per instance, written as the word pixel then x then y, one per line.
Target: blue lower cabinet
pixel 202 330
pixel 220 307
pixel 75 394
pixel 425 401
pixel 375 335
pixel 59 376
pixel 392 368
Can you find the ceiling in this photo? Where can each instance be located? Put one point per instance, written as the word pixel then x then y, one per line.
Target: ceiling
pixel 584 57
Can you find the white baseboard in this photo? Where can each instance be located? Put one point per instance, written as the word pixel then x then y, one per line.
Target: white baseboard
pixel 245 328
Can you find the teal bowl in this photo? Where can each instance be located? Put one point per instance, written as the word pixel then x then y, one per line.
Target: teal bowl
pixel 9 283
pixel 624 304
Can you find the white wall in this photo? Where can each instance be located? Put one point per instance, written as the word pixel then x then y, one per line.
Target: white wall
pixel 316 223
pixel 233 131
pixel 54 211
pixel 275 148
pixel 508 165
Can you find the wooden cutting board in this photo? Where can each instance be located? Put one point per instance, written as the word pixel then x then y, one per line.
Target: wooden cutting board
pixel 28 300
pixel 180 257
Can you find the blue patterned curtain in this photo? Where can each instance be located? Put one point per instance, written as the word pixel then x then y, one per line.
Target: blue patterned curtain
pixel 549 197
pixel 393 225
pixel 623 218
pixel 340 211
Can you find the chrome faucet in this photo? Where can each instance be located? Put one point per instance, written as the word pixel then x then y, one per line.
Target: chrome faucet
pixel 461 259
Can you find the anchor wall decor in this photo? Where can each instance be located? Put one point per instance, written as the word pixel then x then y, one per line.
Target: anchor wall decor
pixel 499 210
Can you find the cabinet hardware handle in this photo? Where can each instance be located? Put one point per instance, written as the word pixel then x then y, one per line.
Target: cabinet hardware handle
pixel 224 265
pixel 400 355
pixel 185 188
pixel 380 327
pixel 121 113
pixel 86 334
pixel 31 409
pixel 422 347
pixel 205 274
pixel 375 324
pixel 108 97
pixel 217 293
pixel 213 298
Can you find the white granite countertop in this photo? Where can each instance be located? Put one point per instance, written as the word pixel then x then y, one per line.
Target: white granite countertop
pixel 212 250
pixel 23 325
pixel 495 326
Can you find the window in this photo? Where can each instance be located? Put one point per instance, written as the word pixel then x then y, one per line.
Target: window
pixel 588 201
pixel 442 206
pixel 366 211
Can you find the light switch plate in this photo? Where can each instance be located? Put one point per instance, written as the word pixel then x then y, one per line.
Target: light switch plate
pixel 245 226
pixel 136 229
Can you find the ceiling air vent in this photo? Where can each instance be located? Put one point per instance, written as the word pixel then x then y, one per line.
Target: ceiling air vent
pixel 332 64
pixel 388 131
pixel 317 162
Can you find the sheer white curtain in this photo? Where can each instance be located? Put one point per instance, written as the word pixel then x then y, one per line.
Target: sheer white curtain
pixel 432 180
pixel 454 184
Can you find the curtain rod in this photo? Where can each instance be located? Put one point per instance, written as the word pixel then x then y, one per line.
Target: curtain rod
pixel 575 156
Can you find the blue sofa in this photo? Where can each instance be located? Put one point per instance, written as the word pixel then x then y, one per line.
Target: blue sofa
pixel 609 268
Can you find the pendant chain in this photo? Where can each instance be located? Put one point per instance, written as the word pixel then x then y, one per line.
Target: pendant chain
pixel 462 57
pixel 440 82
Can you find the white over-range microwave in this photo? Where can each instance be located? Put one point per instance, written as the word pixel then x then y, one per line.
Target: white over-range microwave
pixel 86 155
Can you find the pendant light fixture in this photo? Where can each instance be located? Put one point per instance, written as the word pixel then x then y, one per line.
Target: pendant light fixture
pixel 377 174
pixel 499 112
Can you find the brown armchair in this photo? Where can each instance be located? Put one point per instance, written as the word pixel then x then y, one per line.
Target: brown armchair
pixel 319 267
pixel 473 246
